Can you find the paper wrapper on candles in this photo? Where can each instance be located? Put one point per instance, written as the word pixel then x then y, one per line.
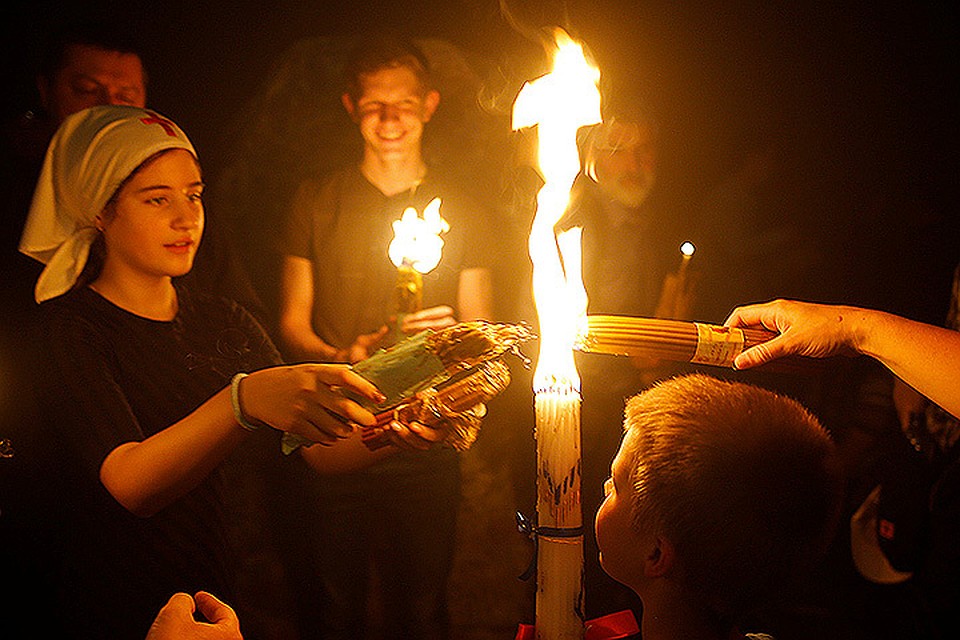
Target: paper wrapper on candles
pixel 456 405
pixel 431 359
pixel 674 340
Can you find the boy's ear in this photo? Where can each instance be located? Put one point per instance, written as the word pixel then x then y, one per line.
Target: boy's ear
pixel 660 558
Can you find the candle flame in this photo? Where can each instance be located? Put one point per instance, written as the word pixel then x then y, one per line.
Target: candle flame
pixel 559 103
pixel 416 239
pixel 687 248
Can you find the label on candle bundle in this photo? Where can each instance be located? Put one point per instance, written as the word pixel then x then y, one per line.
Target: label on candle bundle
pixel 717 346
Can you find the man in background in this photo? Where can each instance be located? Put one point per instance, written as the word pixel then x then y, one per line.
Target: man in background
pixel 394 524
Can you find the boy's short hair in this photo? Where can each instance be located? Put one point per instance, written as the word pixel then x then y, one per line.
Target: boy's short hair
pixel 385 52
pixel 744 482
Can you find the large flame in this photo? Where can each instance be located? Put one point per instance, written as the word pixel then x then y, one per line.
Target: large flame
pixel 559 102
pixel 416 239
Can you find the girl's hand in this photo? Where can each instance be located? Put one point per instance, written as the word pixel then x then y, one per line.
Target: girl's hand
pixel 306 400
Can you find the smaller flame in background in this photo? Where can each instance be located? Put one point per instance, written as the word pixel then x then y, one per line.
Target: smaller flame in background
pixel 417 240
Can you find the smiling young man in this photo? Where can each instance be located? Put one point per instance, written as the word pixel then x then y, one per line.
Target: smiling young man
pixel 337 286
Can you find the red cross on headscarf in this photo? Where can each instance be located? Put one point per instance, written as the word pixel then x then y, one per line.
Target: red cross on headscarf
pixel 168 125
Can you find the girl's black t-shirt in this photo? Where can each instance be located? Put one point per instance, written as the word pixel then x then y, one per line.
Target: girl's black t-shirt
pixel 113 377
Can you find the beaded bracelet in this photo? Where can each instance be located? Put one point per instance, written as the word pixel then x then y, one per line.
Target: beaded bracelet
pixel 235 401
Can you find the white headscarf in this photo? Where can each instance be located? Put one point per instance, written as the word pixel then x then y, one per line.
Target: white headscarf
pixel 91 154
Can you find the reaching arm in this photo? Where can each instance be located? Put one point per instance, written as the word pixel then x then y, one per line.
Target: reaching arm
pixel 924 356
pixel 147 476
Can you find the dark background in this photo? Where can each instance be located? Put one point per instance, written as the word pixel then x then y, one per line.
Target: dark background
pixel 860 99
pixel 862 96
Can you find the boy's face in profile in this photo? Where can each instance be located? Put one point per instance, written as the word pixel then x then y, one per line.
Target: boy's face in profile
pixel 392 111
pixel 621 551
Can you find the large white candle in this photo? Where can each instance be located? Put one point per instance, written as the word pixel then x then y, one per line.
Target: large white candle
pixel 559 602
pixel 558 103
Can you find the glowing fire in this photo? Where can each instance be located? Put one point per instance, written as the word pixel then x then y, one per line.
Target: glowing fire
pixel 416 239
pixel 559 102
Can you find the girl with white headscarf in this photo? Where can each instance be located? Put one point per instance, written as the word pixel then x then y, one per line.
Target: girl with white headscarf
pixel 148 387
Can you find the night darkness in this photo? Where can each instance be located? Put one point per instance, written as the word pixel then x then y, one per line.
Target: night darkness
pixel 857 101
pixel 861 96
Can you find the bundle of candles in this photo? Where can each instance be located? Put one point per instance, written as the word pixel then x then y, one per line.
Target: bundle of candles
pixel 456 406
pixel 432 357
pixel 447 362
pixel 674 340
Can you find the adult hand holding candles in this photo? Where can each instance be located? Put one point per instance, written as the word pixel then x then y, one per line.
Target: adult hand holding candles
pixel 661 339
pixel 804 329
pixel 924 356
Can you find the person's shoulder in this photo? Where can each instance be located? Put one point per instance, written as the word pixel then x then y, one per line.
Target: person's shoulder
pixel 437 179
pixel 227 323
pixel 346 176
pixel 584 206
pixel 78 319
pixel 26 137
pixel 74 304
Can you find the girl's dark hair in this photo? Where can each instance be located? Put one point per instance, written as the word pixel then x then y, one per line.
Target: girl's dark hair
pixel 93 267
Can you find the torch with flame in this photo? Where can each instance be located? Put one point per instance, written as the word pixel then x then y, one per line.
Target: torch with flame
pixel 559 103
pixel 415 250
